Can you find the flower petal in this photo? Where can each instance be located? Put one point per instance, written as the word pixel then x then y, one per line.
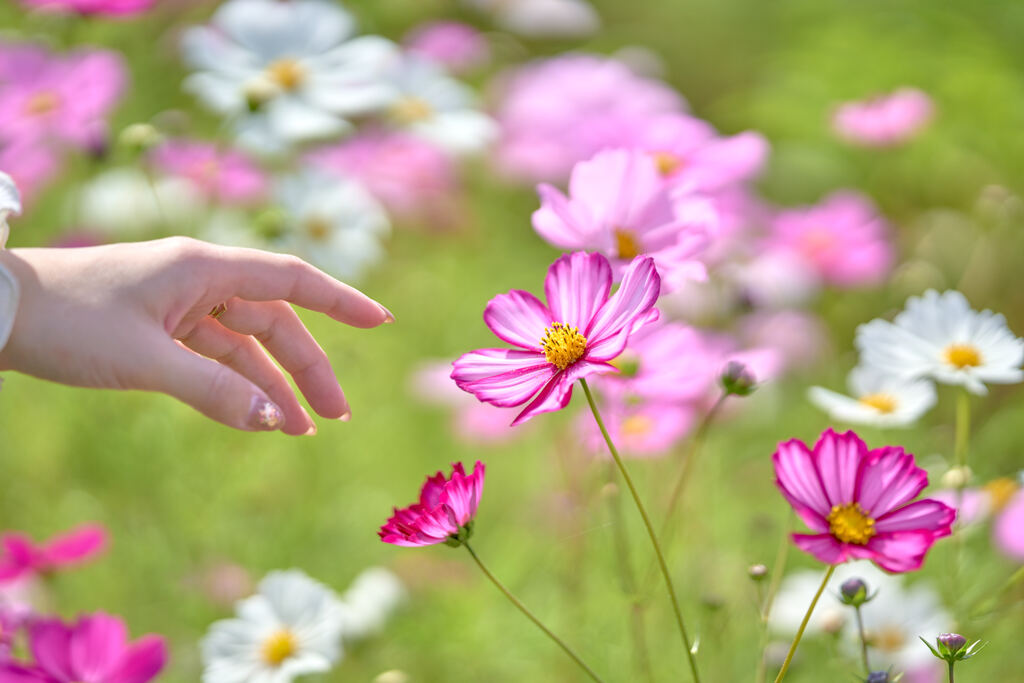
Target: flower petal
pixel 97 645
pixel 50 642
pixel 889 478
pixel 518 318
pixel 74 546
pixel 625 312
pixel 823 547
pixel 837 458
pixel 577 285
pixel 899 552
pixel 504 377
pixel 142 662
pixel 921 515
pixel 797 477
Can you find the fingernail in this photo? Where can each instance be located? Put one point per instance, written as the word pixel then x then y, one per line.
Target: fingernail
pixel 311 431
pixel 346 416
pixel 264 415
pixel 389 317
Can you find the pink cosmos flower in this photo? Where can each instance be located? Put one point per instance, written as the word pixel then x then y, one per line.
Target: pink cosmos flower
pixel 884 121
pixel 32 164
pixel 64 99
pixel 225 175
pixel 456 46
pixel 643 430
pixel 859 502
pixel 22 557
pixel 618 204
pixel 110 8
pixel 473 421
pixel 972 505
pixel 1008 531
pixel 843 238
pixel 573 336
pixel 557 112
pixel 446 507
pixel 93 650
pixel 409 175
pixel 690 153
pixel 800 339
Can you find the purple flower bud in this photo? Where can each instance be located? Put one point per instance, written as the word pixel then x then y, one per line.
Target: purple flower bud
pixel 854 592
pixel 878 677
pixel 737 379
pixel 951 641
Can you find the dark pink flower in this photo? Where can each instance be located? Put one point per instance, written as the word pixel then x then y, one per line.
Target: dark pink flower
pixel 21 557
pixel 222 174
pixel 859 502
pixel 575 335
pixel 445 508
pixel 456 46
pixel 886 120
pixel 110 8
pixel 619 204
pixel 93 650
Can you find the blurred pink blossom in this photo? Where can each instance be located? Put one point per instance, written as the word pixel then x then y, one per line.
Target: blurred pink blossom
pixel 94 649
pixel 619 205
pixel 22 557
pixel 972 505
pixel 456 46
pixel 559 111
pixel 884 121
pixel 226 175
pixel 473 421
pixel 58 98
pixel 690 153
pixel 799 338
pixel 31 163
pixel 110 8
pixel 844 238
pixel 638 429
pixel 410 176
pixel 1008 531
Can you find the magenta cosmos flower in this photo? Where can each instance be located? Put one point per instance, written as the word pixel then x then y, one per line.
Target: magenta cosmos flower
pixel 884 121
pixel 21 557
pixel 619 204
pixel 93 650
pixel 454 45
pixel 443 514
pixel 859 502
pixel 222 174
pixel 573 336
pixel 110 8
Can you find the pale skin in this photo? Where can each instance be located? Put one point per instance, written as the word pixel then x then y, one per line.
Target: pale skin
pixel 136 316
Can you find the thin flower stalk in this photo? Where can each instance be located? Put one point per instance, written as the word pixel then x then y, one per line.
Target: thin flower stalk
pixel 803 624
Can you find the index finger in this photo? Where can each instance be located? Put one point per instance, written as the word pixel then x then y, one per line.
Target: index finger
pixel 258 275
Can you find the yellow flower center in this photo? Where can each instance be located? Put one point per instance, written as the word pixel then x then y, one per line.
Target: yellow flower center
pixel 637 425
pixel 850 524
pixel 626 244
pixel 411 110
pixel 279 647
pixel 287 73
pixel 1000 491
pixel 563 345
pixel 963 356
pixel 667 162
pixel 883 403
pixel 318 229
pixel 41 103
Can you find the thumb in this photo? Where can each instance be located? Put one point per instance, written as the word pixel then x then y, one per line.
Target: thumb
pixel 215 390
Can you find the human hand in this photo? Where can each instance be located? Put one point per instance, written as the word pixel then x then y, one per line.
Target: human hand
pixel 137 316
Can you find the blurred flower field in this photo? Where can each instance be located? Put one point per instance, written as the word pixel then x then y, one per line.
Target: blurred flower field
pixel 796 190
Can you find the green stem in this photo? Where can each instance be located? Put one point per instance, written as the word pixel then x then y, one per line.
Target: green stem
pixel 863 641
pixel 803 624
pixel 950 672
pixel 963 430
pixel 962 441
pixel 650 530
pixel 529 615
pixel 640 650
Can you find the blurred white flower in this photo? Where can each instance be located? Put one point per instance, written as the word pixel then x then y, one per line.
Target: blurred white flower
pixel 437 108
pixel 124 202
pixel 939 336
pixel 287 72
pixel 10 202
pixel 878 399
pixel 292 627
pixel 892 621
pixel 332 222
pixel 374 595
pixel 543 18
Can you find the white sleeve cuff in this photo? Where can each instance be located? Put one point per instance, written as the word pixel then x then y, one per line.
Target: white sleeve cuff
pixel 8 304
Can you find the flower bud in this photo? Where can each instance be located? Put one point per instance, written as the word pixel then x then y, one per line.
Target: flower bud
pixel 953 647
pixel 951 641
pixel 957 477
pixel 757 572
pixel 737 379
pixel 139 137
pixel 854 592
pixel 878 677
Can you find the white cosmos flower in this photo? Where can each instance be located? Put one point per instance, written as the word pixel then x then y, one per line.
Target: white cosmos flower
pixel 287 71
pixel 333 222
pixel 941 337
pixel 893 620
pixel 124 202
pixel 374 595
pixel 434 106
pixel 290 628
pixel 878 399
pixel 543 18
